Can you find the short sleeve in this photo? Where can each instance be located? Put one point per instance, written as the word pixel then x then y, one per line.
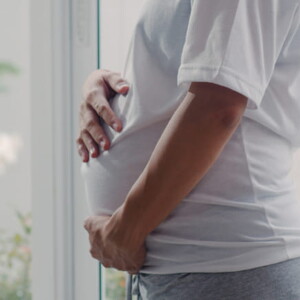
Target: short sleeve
pixel 235 43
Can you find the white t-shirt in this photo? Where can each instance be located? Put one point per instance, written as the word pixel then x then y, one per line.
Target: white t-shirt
pixel 245 212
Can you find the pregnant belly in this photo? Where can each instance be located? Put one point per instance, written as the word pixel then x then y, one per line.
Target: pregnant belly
pixel 109 177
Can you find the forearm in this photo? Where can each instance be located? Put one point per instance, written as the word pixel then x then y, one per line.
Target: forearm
pixel 188 147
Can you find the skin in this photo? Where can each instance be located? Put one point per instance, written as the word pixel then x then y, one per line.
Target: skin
pixel 209 115
pixel 99 87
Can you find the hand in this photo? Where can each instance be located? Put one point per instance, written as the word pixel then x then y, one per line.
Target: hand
pixel 109 246
pixel 99 87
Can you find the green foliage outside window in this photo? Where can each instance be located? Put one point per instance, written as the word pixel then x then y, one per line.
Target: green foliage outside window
pixel 15 261
pixel 7 68
pixel 115 282
pixel 15 251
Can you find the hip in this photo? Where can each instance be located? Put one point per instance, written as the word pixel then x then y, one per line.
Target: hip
pixel 279 281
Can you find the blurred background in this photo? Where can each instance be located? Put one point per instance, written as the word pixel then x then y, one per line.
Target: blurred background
pixel 47 48
pixel 15 151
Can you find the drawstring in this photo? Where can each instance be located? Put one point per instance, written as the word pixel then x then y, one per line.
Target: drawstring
pixel 129 287
pixel 132 286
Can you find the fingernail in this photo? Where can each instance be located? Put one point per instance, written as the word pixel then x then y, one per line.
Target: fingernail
pixel 102 144
pixel 92 150
pixel 114 126
pixel 122 85
pixel 84 157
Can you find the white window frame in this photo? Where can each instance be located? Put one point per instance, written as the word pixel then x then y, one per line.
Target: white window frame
pixel 63 53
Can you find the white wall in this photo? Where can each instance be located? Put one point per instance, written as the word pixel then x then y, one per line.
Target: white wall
pixel 118 18
pixel 15 188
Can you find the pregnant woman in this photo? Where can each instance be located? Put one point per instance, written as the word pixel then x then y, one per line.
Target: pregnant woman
pixel 192 189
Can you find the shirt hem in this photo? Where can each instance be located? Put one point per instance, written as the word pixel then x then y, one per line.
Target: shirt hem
pixel 200 268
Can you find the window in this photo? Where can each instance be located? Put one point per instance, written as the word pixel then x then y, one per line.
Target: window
pixel 63 52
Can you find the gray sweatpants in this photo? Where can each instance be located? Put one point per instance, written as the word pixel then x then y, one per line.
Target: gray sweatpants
pixel 280 281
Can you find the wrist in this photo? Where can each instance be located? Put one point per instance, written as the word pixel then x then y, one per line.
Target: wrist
pixel 124 229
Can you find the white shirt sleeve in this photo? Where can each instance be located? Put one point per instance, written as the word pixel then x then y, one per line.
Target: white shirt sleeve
pixel 235 43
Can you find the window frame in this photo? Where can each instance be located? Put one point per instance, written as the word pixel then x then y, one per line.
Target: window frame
pixel 62 268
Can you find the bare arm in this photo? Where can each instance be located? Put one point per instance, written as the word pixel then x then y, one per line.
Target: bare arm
pixel 99 87
pixel 189 146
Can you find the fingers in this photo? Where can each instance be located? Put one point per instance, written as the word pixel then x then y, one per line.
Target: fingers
pixel 115 82
pixel 118 266
pixel 86 146
pixel 82 150
pixel 99 87
pixel 131 263
pixel 92 136
pixel 86 222
pixel 101 106
pixel 96 131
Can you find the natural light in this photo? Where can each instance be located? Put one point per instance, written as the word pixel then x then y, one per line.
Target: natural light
pixel 48 48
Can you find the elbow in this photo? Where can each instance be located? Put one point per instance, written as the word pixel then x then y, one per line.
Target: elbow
pixel 231 117
pixel 224 105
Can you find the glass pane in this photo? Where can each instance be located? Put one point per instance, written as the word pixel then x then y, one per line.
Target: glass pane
pixel 15 189
pixel 115 284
